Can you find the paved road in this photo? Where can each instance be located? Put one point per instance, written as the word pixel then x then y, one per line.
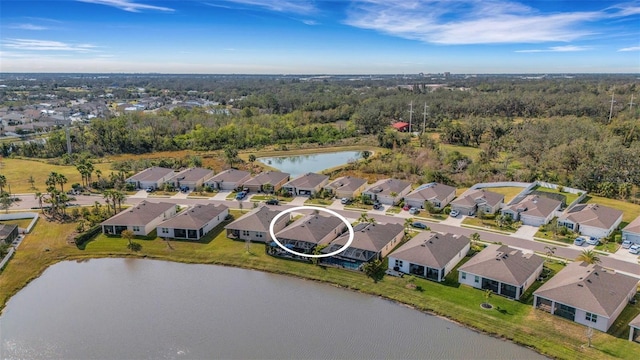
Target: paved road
pixel 28 201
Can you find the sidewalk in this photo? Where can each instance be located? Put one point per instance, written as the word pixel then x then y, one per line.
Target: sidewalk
pixel 142 194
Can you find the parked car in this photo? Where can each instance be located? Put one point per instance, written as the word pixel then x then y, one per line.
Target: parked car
pixel 579 241
pixel 454 213
pixel 414 211
pixel 150 189
pixel 626 244
pixel 593 241
pixel 377 206
pixel 241 195
pixel 406 208
pixel 634 249
pixel 419 225
pixel 184 189
pixel 272 202
pixel 345 201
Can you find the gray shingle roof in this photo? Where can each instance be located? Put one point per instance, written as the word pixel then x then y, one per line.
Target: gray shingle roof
pixel 588 287
pixel 152 174
pixel 388 186
pixel 231 175
pixel 504 264
pixel 140 214
pixel 6 229
pixel 366 236
pixel 346 183
pixel 194 217
pixel 192 174
pixel 431 249
pixel 267 177
pixel 311 228
pixel 308 180
pixel 634 226
pixel 257 220
pixel 535 205
pixel 472 197
pixel 436 192
pixel 594 215
pixel 635 322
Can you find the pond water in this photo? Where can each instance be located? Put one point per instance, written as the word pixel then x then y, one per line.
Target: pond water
pixel 147 309
pixel 297 165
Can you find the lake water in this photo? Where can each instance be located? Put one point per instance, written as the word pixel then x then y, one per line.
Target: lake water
pixel 147 309
pixel 301 164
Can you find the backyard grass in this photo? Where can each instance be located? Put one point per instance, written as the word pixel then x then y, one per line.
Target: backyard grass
pixel 22 223
pixel 509 192
pixel 550 335
pixel 467 151
pixel 631 211
pixel 569 197
pixel 18 171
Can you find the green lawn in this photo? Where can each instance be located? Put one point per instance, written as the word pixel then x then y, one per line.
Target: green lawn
pixel 568 239
pixel 22 223
pixel 488 224
pixel 319 202
pixel 394 210
pixel 467 151
pixel 358 206
pixel 509 192
pixel 551 335
pixel 569 197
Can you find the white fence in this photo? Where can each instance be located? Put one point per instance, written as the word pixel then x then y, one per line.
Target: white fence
pixel 7 258
pixel 22 215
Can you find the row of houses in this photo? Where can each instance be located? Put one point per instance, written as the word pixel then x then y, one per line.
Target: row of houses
pixel 190 224
pixel 535 209
pixel 587 294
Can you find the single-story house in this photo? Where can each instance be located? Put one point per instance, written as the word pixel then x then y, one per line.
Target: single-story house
pixel 141 219
pixel 634 329
pixel 388 191
pixel 474 200
pixel 401 126
pixel 501 269
pixel 592 220
pixel 254 226
pixel 587 294
pixel 8 232
pixel 231 179
pixel 193 223
pixel 370 242
pixel 153 177
pixel 631 232
pixel 191 178
pixel 346 187
pixel 439 195
pixel 273 178
pixel 430 255
pixel 306 233
pixel 307 184
pixel 533 210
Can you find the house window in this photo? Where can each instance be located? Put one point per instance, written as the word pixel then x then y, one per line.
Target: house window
pixel 136 228
pixel 259 235
pixel 463 275
pixel 399 263
pixel 591 317
pixel 245 233
pixel 165 230
pixel 476 279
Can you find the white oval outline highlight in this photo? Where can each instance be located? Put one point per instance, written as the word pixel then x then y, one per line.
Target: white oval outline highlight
pixel 342 218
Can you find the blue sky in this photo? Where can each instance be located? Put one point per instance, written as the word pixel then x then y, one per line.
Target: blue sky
pixel 320 37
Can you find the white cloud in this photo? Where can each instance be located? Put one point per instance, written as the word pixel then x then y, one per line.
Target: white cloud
pixel 128 5
pixel 286 6
pixel 632 48
pixel 310 22
pixel 565 48
pixel 46 45
pixel 469 21
pixel 28 26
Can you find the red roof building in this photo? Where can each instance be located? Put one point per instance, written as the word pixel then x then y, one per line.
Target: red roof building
pixel 401 126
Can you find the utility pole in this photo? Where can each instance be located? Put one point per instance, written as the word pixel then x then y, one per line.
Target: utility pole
pixel 631 104
pixel 410 115
pixel 424 118
pixel 611 109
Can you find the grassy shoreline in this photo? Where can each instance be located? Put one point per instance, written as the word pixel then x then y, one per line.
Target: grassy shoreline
pixel 519 323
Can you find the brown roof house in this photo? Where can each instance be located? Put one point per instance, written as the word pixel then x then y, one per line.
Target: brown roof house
pixel 193 223
pixel 153 177
pixel 430 255
pixel 306 185
pixel 254 226
pixel 474 200
pixel 501 269
pixel 388 191
pixel 141 219
pixel 370 242
pixel 631 232
pixel 592 220
pixel 309 231
pixel 587 294
pixel 272 179
pixel 191 178
pixel 533 210
pixel 231 179
pixel 346 187
pixel 439 195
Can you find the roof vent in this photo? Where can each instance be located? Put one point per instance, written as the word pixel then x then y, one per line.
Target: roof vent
pixel 581 285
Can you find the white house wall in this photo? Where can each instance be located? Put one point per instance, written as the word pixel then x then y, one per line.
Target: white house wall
pixel 633 237
pixel 470 280
pixel 533 220
pixel 451 264
pixel 595 232
pixel 601 324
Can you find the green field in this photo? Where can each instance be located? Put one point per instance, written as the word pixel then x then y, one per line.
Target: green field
pixel 509 192
pixel 513 320
pixel 22 223
pixel 569 197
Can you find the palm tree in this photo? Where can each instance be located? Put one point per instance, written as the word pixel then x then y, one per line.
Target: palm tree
pixel 475 237
pixel 3 183
pixel 40 197
pixel 128 234
pixel 61 180
pixel 588 256
pixel 407 225
pixel 549 251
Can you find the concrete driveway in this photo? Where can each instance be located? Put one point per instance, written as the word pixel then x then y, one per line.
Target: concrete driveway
pixel 526 232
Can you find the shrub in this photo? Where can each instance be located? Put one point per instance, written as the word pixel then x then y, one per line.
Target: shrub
pixel 87 235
